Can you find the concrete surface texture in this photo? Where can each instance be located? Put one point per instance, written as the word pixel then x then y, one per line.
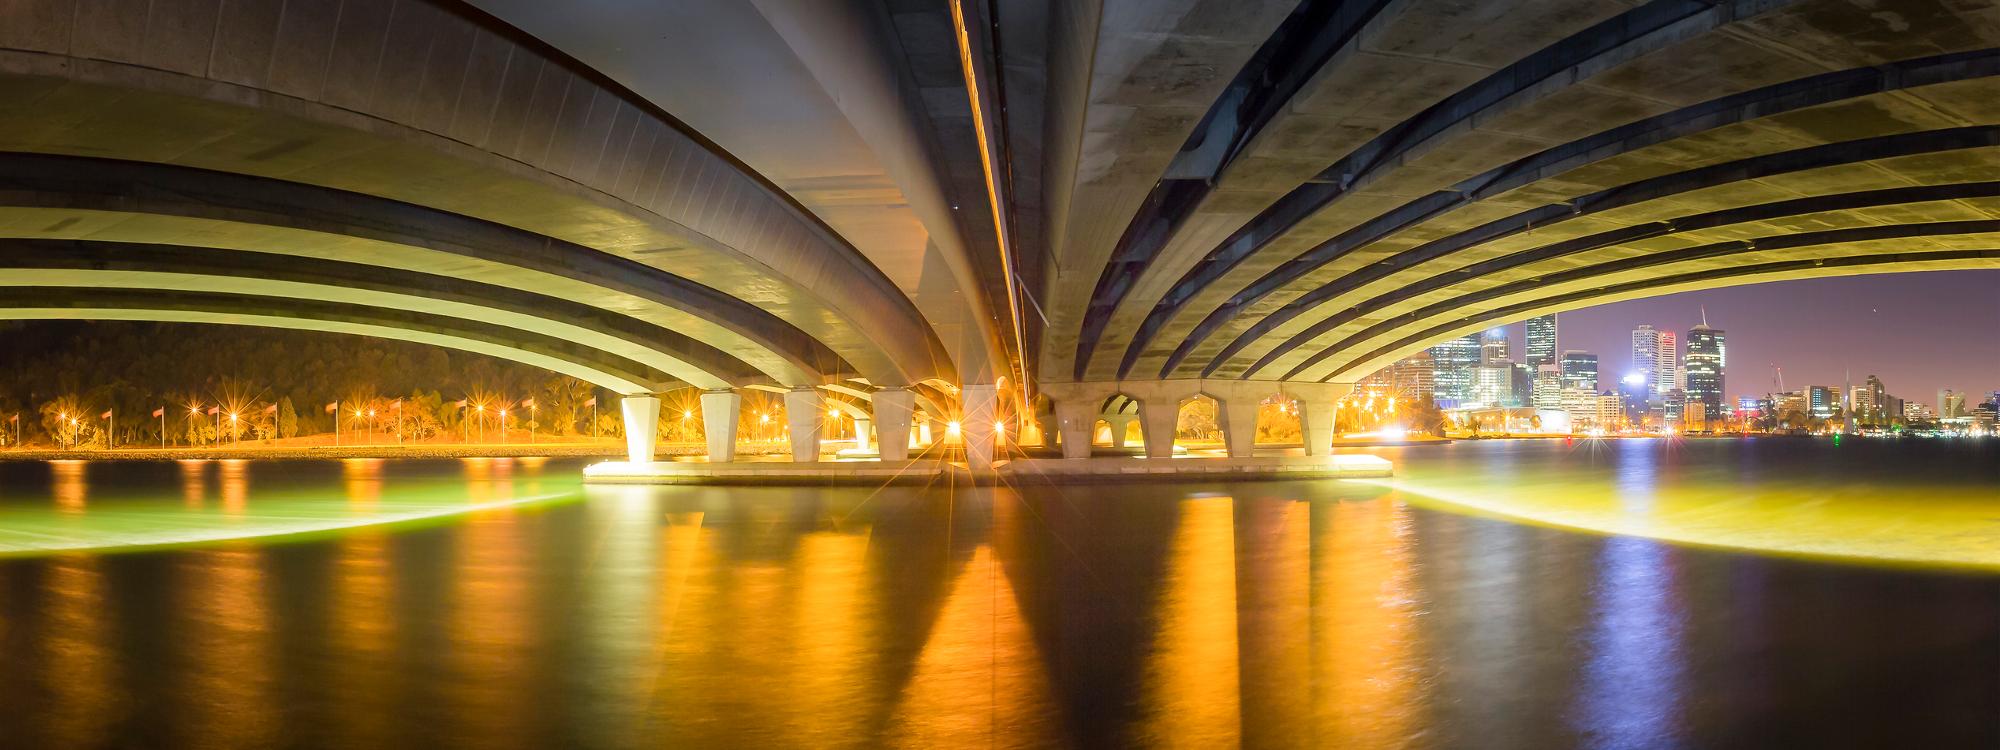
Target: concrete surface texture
pixel 936 217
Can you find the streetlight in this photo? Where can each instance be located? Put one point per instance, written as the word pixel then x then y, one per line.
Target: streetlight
pixel 235 439
pixel 503 425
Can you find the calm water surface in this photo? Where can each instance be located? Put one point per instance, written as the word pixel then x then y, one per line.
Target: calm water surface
pixel 1806 595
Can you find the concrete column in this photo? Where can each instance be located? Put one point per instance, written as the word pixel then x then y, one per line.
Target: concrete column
pixel 892 411
pixel 1316 410
pixel 802 422
pixel 719 413
pixel 1075 418
pixel 1239 424
pixel 1158 418
pixel 924 431
pixel 1120 425
pixel 981 403
pixel 642 426
pixel 861 429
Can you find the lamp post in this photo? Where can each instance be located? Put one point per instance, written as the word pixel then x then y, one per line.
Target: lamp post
pixel 503 425
pixel 235 439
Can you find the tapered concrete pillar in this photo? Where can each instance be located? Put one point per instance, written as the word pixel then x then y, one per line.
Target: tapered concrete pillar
pixel 1316 412
pixel 981 404
pixel 1158 419
pixel 892 412
pixel 1121 426
pixel 802 422
pixel 924 437
pixel 1239 425
pixel 1075 419
pixel 862 428
pixel 719 413
pixel 642 427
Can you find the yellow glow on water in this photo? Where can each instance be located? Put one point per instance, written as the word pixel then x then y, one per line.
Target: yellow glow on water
pixel 1192 697
pixel 979 681
pixel 229 691
pixel 1366 623
pixel 1948 526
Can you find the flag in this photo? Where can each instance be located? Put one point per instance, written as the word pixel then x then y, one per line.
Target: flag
pixel 105 415
pixel 160 412
pixel 15 418
pixel 461 403
pixel 272 409
pixel 528 403
pixel 331 408
pixel 214 410
pixel 592 401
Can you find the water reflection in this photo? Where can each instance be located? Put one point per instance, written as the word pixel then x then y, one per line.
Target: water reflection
pixel 1323 614
pixel 194 482
pixel 70 489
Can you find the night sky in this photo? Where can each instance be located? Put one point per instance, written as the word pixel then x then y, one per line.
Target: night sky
pixel 1919 331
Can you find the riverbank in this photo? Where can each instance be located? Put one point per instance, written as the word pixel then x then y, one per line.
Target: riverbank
pixel 605 449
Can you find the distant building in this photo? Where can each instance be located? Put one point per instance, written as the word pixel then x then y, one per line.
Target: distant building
pixel 1452 369
pixel 1410 377
pixel 1914 411
pixel 1703 367
pixel 1548 387
pixel 1493 347
pixel 1541 341
pixel 1822 400
pixel 1579 370
pixel 1951 404
pixel 1656 355
pixel 1590 409
pixel 1493 385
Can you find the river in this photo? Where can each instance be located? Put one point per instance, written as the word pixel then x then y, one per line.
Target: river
pixel 1495 594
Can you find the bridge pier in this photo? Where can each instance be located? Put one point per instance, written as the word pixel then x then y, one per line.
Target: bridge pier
pixel 720 410
pixel 802 423
pixel 642 426
pixel 979 406
pixel 893 408
pixel 862 428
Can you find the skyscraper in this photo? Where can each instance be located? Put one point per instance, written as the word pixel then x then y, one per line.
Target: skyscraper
pixel 1656 356
pixel 1579 371
pixel 1452 366
pixel 1704 368
pixel 1493 347
pixel 1541 341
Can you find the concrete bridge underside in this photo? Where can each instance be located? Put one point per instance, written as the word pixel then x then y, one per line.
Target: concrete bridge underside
pixel 1012 211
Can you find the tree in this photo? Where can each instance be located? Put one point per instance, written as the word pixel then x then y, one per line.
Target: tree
pixel 288 418
pixel 1426 417
pixel 68 421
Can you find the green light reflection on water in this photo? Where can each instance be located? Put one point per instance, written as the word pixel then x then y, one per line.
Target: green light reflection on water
pixel 1930 528
pixel 72 523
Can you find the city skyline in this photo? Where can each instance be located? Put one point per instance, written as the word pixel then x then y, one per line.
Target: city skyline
pixel 1819 331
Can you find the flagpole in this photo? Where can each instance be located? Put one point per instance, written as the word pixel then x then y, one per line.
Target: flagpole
pixel 163 428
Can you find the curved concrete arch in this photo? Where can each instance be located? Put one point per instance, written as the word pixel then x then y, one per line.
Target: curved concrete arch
pixel 921 397
pixel 1715 114
pixel 1677 183
pixel 1543 264
pixel 1786 270
pixel 1541 74
pixel 1881 240
pixel 550 354
pixel 31 263
pixel 102 200
pixel 437 105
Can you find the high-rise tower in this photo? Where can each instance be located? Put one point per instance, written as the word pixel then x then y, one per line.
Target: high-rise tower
pixel 1704 367
pixel 1541 341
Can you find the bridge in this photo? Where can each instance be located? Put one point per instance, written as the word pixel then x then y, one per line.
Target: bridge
pixel 1029 215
